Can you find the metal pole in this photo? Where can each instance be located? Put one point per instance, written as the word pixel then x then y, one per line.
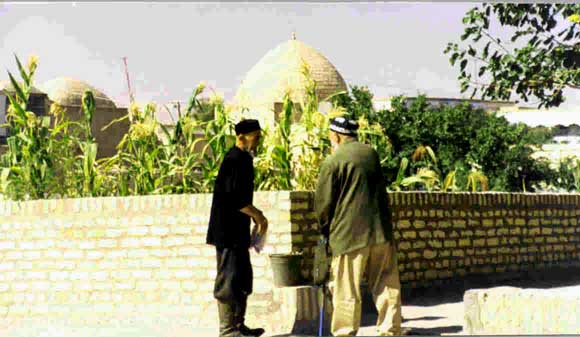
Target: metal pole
pixel 131 98
pixel 321 315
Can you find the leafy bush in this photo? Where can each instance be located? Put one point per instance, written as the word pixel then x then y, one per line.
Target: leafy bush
pixel 465 139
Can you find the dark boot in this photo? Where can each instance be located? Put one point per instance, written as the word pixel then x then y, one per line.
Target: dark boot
pixel 227 316
pixel 240 318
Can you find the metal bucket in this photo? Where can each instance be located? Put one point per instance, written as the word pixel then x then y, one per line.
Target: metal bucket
pixel 287 270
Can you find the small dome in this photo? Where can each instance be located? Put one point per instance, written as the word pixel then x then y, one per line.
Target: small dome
pixel 68 92
pixel 281 69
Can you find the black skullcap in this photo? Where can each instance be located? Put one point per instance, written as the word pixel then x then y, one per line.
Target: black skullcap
pixel 247 126
pixel 344 126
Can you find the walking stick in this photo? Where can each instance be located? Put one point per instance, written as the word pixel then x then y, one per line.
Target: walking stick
pixel 322 307
pixel 321 270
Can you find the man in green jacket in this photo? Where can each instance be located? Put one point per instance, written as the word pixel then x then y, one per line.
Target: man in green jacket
pixel 351 204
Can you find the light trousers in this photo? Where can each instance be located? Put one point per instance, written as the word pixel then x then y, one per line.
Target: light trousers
pixel 379 264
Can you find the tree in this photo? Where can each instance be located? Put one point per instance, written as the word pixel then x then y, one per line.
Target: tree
pixel 357 103
pixel 541 59
pixel 465 138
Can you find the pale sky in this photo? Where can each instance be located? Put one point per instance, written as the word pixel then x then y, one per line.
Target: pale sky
pixel 393 48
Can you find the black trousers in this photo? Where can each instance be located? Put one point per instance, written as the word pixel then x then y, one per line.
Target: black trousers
pixel 234 279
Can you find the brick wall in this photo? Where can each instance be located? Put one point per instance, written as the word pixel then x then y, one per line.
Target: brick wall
pixel 86 260
pixel 135 258
pixel 445 235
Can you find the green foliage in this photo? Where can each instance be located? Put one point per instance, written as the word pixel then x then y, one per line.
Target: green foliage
pixel 294 152
pixel 152 159
pixel 91 180
pixel 274 164
pixel 424 147
pixel 463 137
pixel 566 177
pixel 28 168
pixel 358 105
pixel 48 156
pixel 541 59
pixel 220 137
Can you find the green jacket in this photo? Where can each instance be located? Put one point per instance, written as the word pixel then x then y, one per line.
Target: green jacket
pixel 351 200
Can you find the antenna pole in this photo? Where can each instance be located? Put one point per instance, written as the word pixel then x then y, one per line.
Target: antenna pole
pixel 131 98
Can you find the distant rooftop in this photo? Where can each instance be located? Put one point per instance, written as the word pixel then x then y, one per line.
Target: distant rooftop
pixel 6 86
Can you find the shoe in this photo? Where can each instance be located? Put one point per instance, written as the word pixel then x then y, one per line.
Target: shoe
pixel 240 318
pixel 251 332
pixel 227 317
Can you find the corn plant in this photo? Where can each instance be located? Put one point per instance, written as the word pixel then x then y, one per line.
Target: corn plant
pixel 180 157
pixel 29 170
pixel 450 182
pixel 396 185
pixel 310 141
pixel 138 162
pixel 374 135
pixel 424 176
pixel 219 137
pixel 476 179
pixel 274 165
pixel 68 167
pixel 90 181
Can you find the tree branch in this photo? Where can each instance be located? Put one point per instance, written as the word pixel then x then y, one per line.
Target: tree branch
pixel 481 84
pixel 495 41
pixel 555 39
pixel 479 59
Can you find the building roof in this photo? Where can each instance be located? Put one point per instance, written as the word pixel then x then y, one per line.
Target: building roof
pixel 6 86
pixel 385 103
pixel 280 69
pixel 68 92
pixel 461 100
pixel 544 117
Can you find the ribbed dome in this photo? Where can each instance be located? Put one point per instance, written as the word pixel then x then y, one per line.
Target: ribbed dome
pixel 280 69
pixel 68 92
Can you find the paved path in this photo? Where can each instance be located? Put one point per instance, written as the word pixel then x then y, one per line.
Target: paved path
pixel 433 311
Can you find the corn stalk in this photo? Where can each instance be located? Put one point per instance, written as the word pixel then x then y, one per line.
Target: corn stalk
pixel 477 179
pixel 138 162
pixel 28 170
pixel 424 176
pixel 274 165
pixel 310 139
pixel 220 137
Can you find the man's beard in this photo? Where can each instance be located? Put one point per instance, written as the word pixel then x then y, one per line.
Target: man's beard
pixel 333 146
pixel 251 151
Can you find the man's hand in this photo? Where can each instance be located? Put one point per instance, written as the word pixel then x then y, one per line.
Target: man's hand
pixel 261 222
pixel 258 217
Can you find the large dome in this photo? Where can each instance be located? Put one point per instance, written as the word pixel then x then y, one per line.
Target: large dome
pixel 280 70
pixel 68 92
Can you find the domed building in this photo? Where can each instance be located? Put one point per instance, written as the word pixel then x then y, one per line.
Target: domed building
pixel 263 89
pixel 67 93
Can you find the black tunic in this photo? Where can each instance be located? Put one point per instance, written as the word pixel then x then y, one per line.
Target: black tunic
pixel 234 190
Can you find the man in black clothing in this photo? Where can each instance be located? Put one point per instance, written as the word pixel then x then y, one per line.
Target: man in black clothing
pixel 229 230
